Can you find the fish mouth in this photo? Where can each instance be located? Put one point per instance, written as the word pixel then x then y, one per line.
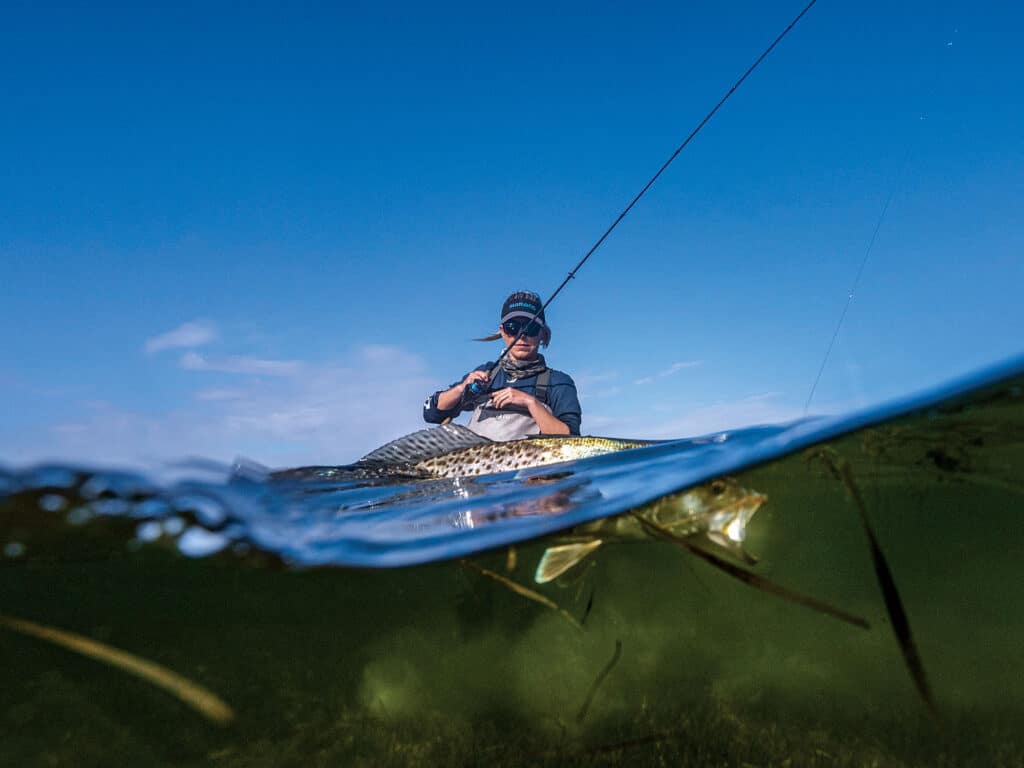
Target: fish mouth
pixel 728 519
pixel 739 513
pixel 757 501
pixel 753 500
pixel 743 507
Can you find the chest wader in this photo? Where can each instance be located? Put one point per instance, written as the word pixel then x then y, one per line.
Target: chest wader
pixel 510 423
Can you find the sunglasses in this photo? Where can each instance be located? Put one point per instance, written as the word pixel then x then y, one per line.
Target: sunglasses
pixel 513 327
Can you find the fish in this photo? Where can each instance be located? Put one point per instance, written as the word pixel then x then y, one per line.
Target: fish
pixel 702 519
pixel 452 450
pixel 705 520
pixel 717 511
pixel 493 457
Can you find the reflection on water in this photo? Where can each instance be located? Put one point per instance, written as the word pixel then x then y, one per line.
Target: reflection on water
pixel 257 591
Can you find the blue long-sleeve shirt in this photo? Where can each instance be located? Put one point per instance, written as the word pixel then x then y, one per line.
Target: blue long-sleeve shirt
pixel 561 398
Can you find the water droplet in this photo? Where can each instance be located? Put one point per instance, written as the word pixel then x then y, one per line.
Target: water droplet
pixel 173 526
pixel 93 487
pixel 199 542
pixel 79 515
pixel 14 549
pixel 208 511
pixel 150 508
pixel 52 477
pixel 51 502
pixel 111 507
pixel 148 531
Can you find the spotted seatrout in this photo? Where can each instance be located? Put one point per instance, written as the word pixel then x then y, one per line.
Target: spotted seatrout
pixel 718 510
pixel 493 457
pixel 452 450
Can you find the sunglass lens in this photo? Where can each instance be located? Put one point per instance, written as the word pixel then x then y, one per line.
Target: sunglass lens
pixel 513 327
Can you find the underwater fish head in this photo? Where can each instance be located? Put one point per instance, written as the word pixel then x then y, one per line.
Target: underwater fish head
pixel 721 508
pixel 718 510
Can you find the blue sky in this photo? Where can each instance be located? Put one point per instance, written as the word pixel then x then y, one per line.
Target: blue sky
pixel 271 231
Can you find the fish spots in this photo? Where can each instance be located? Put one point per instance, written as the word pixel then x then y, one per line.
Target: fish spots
pixel 494 457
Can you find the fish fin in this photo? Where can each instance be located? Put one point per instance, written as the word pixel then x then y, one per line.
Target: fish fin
pixel 424 444
pixel 557 560
pixel 734 548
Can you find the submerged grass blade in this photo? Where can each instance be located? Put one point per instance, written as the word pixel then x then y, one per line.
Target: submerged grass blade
pixel 519 589
pixel 208 704
pixel 590 604
pixel 840 468
pixel 598 680
pixel 753 579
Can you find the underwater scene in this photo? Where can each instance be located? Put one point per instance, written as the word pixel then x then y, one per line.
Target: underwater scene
pixel 832 592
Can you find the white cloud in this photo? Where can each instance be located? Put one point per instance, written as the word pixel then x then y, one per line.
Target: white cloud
pixel 672 369
pixel 588 378
pixel 762 396
pixel 593 386
pixel 255 366
pixel 597 394
pixel 670 420
pixel 219 394
pixel 332 414
pixel 191 334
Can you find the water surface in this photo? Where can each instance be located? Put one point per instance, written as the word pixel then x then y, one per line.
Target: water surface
pixel 348 623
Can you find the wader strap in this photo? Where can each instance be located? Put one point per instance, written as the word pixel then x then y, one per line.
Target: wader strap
pixel 543 379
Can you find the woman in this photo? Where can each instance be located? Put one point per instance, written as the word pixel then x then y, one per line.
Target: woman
pixel 525 397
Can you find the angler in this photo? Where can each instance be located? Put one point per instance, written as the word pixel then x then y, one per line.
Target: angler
pixel 518 395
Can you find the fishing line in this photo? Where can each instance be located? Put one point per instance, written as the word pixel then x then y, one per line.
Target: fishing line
pixel 911 141
pixel 572 274
pixel 856 281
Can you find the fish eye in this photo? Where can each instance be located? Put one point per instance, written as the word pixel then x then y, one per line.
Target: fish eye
pixel 717 487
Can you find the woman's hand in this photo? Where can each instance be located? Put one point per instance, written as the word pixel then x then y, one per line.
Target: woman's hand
pixel 451 398
pixel 512 396
pixel 472 376
pixel 548 423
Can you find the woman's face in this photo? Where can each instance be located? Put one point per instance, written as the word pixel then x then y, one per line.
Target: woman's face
pixel 524 349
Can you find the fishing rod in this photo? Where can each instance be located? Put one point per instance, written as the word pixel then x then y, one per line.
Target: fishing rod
pixel 475 387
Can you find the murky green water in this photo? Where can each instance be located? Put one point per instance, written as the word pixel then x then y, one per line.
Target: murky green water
pixel 439 665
